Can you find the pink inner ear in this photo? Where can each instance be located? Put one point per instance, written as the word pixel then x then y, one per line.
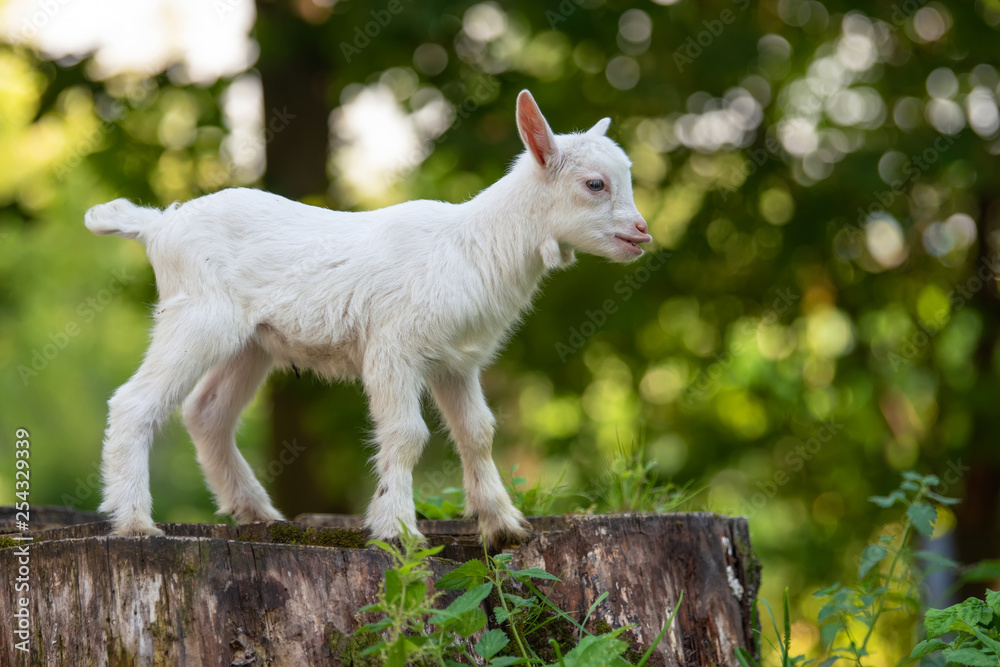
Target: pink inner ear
pixel 535 132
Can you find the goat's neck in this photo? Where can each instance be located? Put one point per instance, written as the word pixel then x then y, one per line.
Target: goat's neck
pixel 507 224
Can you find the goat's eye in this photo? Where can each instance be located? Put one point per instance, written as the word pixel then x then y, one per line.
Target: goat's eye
pixel 596 185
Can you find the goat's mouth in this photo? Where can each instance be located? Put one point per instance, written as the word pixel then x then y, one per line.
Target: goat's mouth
pixel 631 243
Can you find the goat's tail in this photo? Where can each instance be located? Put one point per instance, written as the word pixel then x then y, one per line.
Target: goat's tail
pixel 122 218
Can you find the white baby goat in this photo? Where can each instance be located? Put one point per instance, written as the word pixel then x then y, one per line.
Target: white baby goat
pixel 414 296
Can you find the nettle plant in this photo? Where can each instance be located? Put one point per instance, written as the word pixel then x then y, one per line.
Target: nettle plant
pixel 881 589
pixel 974 626
pixel 413 630
pixel 890 578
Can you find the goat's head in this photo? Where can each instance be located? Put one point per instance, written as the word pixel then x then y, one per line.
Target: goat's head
pixel 586 181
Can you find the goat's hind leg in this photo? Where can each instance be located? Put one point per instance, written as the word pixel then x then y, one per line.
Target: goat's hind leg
pixel 463 406
pixel 211 414
pixel 185 344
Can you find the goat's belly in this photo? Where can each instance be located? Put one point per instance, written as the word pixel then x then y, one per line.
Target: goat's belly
pixel 338 360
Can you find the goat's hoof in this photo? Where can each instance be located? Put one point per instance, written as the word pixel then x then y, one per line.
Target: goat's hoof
pixel 254 515
pixel 136 529
pixel 507 535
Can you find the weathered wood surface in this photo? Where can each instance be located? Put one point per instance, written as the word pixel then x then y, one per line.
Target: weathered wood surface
pixel 226 595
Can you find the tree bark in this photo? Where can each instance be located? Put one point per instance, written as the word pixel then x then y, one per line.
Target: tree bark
pixel 217 594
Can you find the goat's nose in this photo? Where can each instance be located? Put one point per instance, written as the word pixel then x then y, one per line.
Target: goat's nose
pixel 640 225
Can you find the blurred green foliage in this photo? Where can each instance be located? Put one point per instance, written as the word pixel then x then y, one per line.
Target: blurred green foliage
pixel 820 312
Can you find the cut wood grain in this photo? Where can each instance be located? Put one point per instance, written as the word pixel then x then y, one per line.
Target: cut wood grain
pixel 265 594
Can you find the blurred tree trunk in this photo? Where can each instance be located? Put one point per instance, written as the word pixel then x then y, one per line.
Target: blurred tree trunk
pixel 294 76
pixel 977 530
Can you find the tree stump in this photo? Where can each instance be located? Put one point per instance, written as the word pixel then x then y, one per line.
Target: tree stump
pixel 287 593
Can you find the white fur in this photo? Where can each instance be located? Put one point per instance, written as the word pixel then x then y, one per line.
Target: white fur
pixel 411 297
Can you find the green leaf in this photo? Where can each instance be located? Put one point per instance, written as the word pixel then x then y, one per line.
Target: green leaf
pixel 829 590
pixel 374 648
pixel 590 611
pixel 533 573
pixel 828 633
pixel 393 586
pixel 944 500
pixel 491 642
pixel 519 601
pixel 938 621
pixel 397 654
pixel 985 570
pixel 502 559
pixel 926 647
pixel 825 612
pixel 872 556
pixel 974 612
pixel 375 627
pixel 990 643
pixel 745 659
pixel 889 500
pixel 468 575
pixel 416 592
pixel 923 517
pixel 993 601
pixel 506 660
pixel 933 558
pixel 656 642
pixel 973 657
pixel 468 623
pixel 425 553
pixel 463 603
pixel 384 546
pixel 500 614
pixel 787 643
pixel 595 650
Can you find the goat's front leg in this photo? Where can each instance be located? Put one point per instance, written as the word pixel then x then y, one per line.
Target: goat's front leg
pixel 400 433
pixel 463 406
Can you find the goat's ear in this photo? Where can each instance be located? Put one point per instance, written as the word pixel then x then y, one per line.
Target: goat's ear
pixel 600 127
pixel 534 129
